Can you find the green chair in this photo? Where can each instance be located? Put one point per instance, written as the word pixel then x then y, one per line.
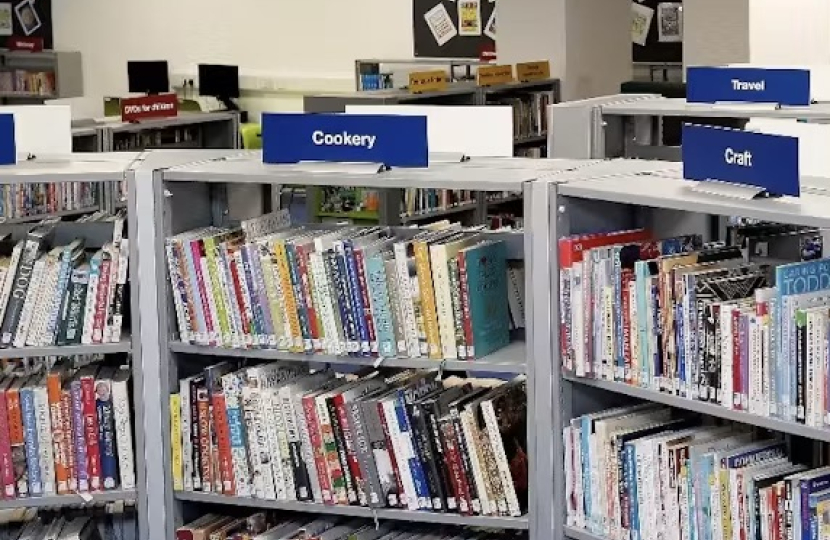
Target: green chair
pixel 251 136
pixel 189 105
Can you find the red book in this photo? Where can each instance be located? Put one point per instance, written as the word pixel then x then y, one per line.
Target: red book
pixel 351 455
pixel 54 382
pixel 305 282
pixel 367 306
pixel 223 440
pixel 90 416
pixel 102 298
pixel 205 461
pixel 310 410
pixel 736 360
pixel 627 276
pixel 457 477
pixel 6 464
pixel 67 450
pixel 240 296
pixel 197 248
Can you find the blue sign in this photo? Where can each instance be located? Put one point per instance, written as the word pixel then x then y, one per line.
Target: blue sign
pixel 744 84
pixel 741 157
pixel 395 141
pixel 8 148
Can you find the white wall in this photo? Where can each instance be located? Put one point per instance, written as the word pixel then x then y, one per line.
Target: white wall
pixel 717 31
pixel 780 35
pixel 294 45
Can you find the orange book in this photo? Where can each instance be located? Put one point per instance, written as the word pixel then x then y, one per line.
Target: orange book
pixel 16 437
pixel 54 382
pixel 223 441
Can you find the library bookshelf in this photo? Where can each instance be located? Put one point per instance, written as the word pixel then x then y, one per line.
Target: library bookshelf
pixel 626 194
pixel 123 354
pixel 181 198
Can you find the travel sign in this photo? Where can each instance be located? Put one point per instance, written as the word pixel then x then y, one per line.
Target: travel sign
pixel 395 141
pixel 745 84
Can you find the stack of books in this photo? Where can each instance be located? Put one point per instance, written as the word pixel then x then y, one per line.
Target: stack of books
pixel 61 295
pixel 422 202
pixel 32 200
pixel 60 528
pixel 264 526
pixel 19 81
pixel 439 293
pixel 381 440
pixel 65 429
pixel 529 114
pixel 645 472
pixel 699 322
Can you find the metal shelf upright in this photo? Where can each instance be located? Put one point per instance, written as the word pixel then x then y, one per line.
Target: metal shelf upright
pixel 181 198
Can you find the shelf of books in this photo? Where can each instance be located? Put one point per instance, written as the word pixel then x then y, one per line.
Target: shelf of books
pixel 529 101
pixel 111 521
pixel 187 130
pixel 67 419
pixel 693 359
pixel 377 373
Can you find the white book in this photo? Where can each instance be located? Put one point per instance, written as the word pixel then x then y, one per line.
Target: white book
pixel 755 398
pixel 187 443
pixel 516 294
pixel 236 337
pixel 232 384
pixel 323 300
pixel 400 454
pixel 307 449
pixel 570 473
pixel 211 314
pixel 267 410
pixel 8 281
pixel 258 450
pixel 91 295
pixel 247 304
pixel 30 303
pixel 44 438
pixel 405 295
pixel 182 310
pixel 124 429
pixel 120 282
pixel 494 436
pixel 269 280
pixel 48 296
pixel 439 254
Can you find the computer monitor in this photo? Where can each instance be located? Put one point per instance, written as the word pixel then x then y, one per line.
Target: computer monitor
pixel 148 77
pixel 219 81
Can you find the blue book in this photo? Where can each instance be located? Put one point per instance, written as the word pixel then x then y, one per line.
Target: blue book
pixel 486 267
pixel 815 519
pixel 27 407
pixel 258 326
pixel 297 286
pixel 356 296
pixel 811 482
pixel 793 279
pixel 381 307
pixel 106 427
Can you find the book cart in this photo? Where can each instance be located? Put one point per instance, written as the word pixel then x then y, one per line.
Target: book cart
pixel 76 168
pixel 621 195
pixel 180 199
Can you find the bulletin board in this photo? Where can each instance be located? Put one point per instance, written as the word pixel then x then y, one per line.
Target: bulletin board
pixel 657 30
pixel 453 28
pixel 26 18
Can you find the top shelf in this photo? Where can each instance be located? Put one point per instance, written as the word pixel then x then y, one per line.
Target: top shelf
pixel 680 107
pixel 71 168
pixel 668 190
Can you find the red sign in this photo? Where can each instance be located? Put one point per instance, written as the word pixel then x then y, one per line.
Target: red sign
pixel 146 107
pixel 487 53
pixel 31 44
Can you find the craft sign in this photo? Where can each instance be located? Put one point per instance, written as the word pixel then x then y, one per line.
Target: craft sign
pixel 493 75
pixel 148 107
pixel 427 81
pixel 395 141
pixel 746 84
pixel 533 71
pixel 769 162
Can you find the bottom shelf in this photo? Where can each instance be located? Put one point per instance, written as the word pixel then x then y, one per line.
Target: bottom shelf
pixel 76 499
pixel 580 534
pixel 519 523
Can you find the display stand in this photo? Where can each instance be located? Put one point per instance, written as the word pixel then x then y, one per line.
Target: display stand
pixel 44 75
pixel 182 198
pixel 622 194
pixel 76 168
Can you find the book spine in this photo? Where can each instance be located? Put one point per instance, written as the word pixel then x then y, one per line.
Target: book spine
pixel 337 264
pixel 27 407
pixel 187 443
pixel 457 315
pixel 457 476
pixel 381 307
pixel 205 459
pixel 302 306
pixel 274 296
pixel 396 305
pixel 53 388
pixel 316 440
pixel 368 313
pixel 179 290
pixel 307 450
pixel 302 482
pixel 244 286
pixel 211 310
pixel 427 291
pixel 91 295
pixel 420 437
pixel 355 297
pixel 44 440
pixel 90 423
pixel 261 290
pixel 368 484
pixel 236 337
pixel 263 480
pixel 291 304
pixel 354 477
pixel 388 492
pixel 101 299
pixel 403 466
pixel 405 296
pixel 232 390
pixel 21 331
pixel 20 286
pixel 211 256
pixel 307 285
pixel 463 447
pixel 272 443
pixel 497 443
pixel 68 442
pixel 479 473
pixel 465 306
pixel 124 433
pixel 106 434
pixel 332 459
pixel 176 441
pixel 440 460
pixel 199 288
pixel 220 425
pixel 79 435
pixel 6 463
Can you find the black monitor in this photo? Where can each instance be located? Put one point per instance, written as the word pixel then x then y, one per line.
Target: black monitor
pixel 219 81
pixel 148 77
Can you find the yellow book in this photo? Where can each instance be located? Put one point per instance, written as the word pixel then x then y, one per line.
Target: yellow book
pixel 291 309
pixel 823 514
pixel 428 311
pixel 211 246
pixel 270 277
pixel 176 430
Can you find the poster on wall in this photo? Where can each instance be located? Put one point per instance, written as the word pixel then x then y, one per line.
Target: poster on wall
pixel 6 22
pixel 670 22
pixel 641 17
pixel 453 28
pixel 27 18
pixel 662 24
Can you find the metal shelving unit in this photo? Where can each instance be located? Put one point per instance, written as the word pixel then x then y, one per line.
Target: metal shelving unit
pixel 66 68
pixel 618 194
pixel 216 130
pixel 631 125
pixel 78 168
pixel 182 198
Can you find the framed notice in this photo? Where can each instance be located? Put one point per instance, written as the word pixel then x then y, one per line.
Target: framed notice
pixel 453 28
pixel 6 20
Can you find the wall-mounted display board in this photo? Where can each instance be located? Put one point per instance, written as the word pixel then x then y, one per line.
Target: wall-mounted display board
pixel 657 30
pixel 26 18
pixel 453 28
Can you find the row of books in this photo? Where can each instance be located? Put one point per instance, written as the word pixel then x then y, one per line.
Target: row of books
pixel 699 322
pixel 65 429
pixel 643 473
pixel 265 526
pixel 60 528
pixel 420 201
pixel 401 440
pixel 176 137
pixel 535 152
pixel 41 83
pixel 29 200
pixel 61 295
pixel 529 113
pixel 440 292
pixel 376 81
